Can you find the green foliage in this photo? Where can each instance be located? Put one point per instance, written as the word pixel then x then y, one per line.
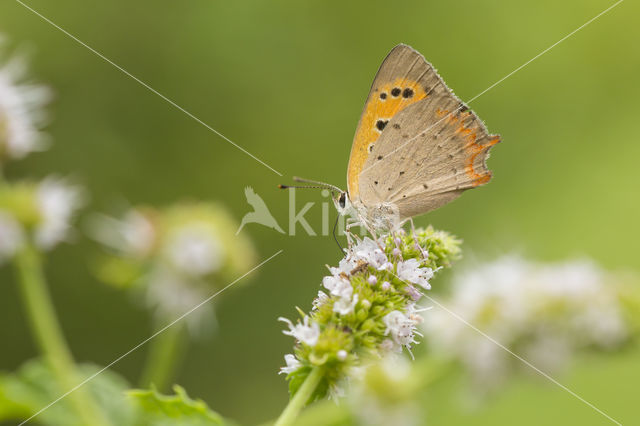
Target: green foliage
pixel 156 409
pixel 33 386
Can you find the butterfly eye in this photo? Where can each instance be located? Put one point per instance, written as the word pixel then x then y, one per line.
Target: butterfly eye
pixel 342 200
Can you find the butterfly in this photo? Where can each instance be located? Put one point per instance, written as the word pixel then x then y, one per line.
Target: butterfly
pixel 417 146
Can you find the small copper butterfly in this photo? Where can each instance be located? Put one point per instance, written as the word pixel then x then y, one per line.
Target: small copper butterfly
pixel 416 148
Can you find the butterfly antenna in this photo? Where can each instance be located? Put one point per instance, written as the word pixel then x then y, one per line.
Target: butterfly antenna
pixel 302 186
pixel 322 184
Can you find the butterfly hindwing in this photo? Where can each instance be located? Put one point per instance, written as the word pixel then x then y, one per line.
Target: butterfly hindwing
pixel 427 156
pixel 403 79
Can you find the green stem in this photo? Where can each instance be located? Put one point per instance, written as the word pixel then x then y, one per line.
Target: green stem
pixel 48 335
pixel 325 413
pixel 164 355
pixel 299 400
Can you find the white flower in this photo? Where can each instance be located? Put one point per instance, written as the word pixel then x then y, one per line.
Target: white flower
pixel 193 249
pixel 320 300
pixel 345 305
pixel 134 236
pixel 11 236
pixel 342 355
pixel 21 113
pixel 345 266
pixel 138 234
pixel 338 286
pixel 413 312
pixel 411 271
pixel 543 312
pixel 400 328
pixel 303 332
pixel 369 251
pixel 172 295
pixel 388 345
pixel 57 203
pixel 292 364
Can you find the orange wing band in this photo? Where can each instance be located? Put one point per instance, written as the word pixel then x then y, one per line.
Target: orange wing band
pixel 472 148
pixel 385 102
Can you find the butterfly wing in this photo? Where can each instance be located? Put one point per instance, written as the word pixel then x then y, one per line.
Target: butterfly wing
pixel 432 152
pixel 428 153
pixel 403 79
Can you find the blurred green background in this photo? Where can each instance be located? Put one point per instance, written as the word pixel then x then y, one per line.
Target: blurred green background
pixel 286 80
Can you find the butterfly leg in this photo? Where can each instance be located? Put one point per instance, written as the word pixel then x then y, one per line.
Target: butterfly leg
pixel 350 223
pixel 375 237
pixel 415 240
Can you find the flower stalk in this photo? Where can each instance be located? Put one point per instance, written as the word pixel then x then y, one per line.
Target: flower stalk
pixel 301 397
pixel 165 355
pixel 48 335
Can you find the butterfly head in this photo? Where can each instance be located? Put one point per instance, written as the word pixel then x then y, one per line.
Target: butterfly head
pixel 342 202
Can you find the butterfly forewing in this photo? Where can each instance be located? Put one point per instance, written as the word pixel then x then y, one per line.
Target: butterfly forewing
pixel 430 148
pixel 403 79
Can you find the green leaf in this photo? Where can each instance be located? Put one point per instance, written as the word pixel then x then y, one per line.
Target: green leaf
pixel 33 387
pixel 156 409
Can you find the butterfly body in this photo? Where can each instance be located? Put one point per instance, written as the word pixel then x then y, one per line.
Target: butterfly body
pixel 416 147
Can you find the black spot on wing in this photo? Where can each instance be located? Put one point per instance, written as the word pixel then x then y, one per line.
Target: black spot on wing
pixel 381 124
pixel 407 93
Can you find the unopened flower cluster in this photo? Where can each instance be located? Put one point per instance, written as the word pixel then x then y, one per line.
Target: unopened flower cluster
pixel 542 312
pixel 176 256
pixel 368 305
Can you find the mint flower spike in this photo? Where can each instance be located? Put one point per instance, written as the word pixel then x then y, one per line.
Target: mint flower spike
pixel 367 309
pixel 545 312
pixel 175 256
pixel 174 259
